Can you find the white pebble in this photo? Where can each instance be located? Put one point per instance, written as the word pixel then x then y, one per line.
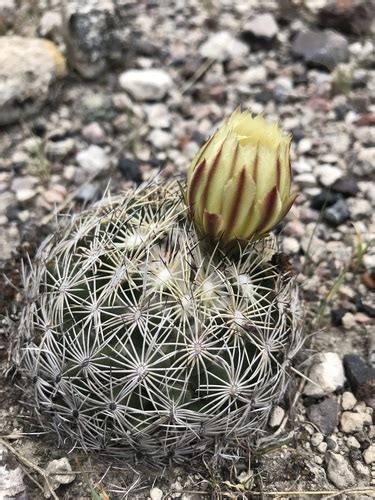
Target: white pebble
pixel 156 494
pixel 369 455
pixel 348 321
pixel 348 401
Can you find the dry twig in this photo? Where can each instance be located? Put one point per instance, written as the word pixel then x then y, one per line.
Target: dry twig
pixel 26 462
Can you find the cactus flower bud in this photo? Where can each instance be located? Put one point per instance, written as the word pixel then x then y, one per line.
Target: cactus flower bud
pixel 238 185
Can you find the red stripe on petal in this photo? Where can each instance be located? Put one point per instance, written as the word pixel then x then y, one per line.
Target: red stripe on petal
pixel 238 199
pixel 212 224
pixel 195 179
pixel 269 207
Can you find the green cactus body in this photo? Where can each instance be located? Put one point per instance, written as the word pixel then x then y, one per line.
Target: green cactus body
pixel 139 340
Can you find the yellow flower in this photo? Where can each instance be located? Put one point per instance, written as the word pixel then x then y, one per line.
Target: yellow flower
pixel 238 185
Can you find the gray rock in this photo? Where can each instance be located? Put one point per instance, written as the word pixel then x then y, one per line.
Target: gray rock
pixel 354 17
pixel 8 10
pixel 93 160
pixel 92 35
pixel 339 471
pixel 347 186
pixel 337 213
pixel 324 415
pixel 146 84
pixel 261 26
pixel 223 46
pixel 28 66
pixel 326 375
pixel 321 48
pixel 11 476
pixel 361 376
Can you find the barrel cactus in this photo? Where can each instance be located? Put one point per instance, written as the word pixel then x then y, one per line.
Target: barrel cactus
pixel 141 336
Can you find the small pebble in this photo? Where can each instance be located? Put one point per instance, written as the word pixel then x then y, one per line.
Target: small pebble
pixel 290 245
pixel 348 401
pixel 322 447
pixel 328 175
pixel 353 443
pixel 318 460
pixel 316 439
pixel 130 169
pixel 361 468
pixel 352 422
pixel 87 193
pixel 156 494
pixel 326 373
pixel 369 455
pixel 339 471
pixel 277 416
pixel 348 321
pixel 93 160
pixel 332 443
pixel 304 145
pixel 93 133
pixel 324 199
pixel 337 214
pixel 146 84
pixel 160 139
pixel 324 414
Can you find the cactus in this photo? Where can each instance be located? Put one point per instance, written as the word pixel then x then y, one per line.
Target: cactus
pixel 138 340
